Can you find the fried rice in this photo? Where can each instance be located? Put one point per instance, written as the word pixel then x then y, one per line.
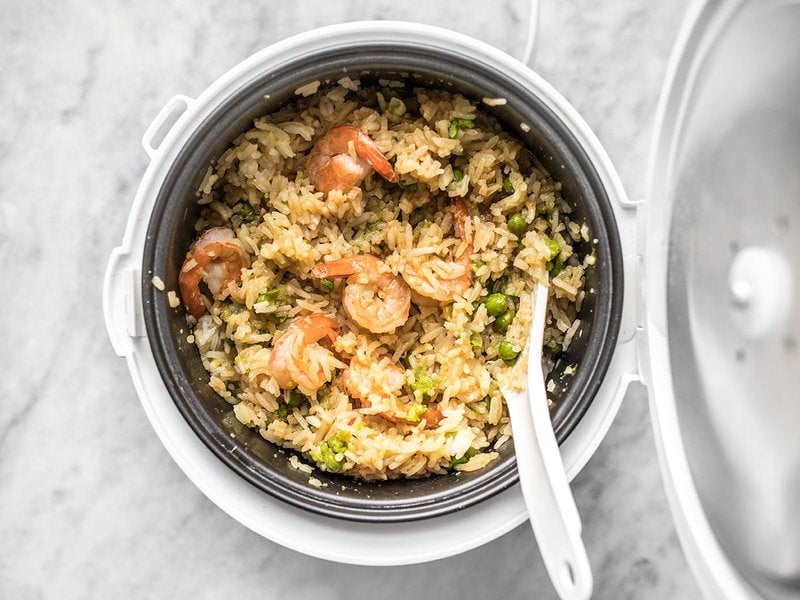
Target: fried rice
pixel 451 357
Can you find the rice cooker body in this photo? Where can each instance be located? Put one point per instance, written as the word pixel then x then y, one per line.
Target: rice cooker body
pixel 171 232
pixel 389 523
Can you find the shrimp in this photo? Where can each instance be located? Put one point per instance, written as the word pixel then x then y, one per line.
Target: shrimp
pixel 427 282
pixel 374 297
pixel 334 164
pixel 298 360
pixel 216 258
pixel 380 382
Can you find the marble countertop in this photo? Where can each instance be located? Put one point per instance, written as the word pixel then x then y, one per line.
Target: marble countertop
pixel 91 504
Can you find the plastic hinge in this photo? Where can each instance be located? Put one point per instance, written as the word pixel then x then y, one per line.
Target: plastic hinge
pixel 628 203
pixel 173 109
pixel 630 310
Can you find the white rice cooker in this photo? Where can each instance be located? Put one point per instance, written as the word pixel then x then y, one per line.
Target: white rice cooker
pixel 709 322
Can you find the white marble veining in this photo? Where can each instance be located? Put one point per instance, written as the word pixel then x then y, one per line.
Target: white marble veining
pixel 91 505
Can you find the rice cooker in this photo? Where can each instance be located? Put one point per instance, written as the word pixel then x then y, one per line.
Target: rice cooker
pixel 707 320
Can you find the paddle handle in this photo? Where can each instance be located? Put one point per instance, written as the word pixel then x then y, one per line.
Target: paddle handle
pixel 553 515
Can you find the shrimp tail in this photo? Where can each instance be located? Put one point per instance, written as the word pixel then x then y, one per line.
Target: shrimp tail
pixel 189 283
pixel 366 149
pixel 316 327
pixel 344 267
pixel 342 158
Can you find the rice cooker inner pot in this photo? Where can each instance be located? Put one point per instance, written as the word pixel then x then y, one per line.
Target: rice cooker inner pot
pixel 170 233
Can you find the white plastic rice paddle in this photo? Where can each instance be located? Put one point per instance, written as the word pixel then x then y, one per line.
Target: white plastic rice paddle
pixel 551 507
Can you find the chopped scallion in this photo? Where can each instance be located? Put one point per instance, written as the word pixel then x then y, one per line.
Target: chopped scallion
pixel 424 383
pixel 476 341
pixel 272 296
pixel 454 462
pixel 415 413
pixel 457 124
pixel 246 212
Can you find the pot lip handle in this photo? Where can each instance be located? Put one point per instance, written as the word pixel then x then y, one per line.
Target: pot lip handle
pixel 164 122
pixel 122 304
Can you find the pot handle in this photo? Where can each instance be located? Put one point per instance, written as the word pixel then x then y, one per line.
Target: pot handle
pixel 166 118
pixel 122 305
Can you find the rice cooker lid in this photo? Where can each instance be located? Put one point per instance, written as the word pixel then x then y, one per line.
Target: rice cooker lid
pixel 719 236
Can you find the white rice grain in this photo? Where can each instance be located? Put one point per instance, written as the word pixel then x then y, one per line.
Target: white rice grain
pixel 172 299
pixel 494 101
pixel 308 89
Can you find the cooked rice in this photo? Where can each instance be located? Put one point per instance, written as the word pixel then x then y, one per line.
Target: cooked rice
pixel 262 175
pixel 173 300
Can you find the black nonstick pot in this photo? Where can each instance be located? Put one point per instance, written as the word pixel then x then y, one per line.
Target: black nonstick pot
pixel 170 233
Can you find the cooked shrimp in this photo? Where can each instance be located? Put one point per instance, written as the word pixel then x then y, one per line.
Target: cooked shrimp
pixel 425 275
pixel 373 380
pixel 216 258
pixel 374 297
pixel 298 360
pixel 380 383
pixel 342 158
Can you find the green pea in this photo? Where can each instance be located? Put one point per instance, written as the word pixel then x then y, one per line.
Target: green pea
pixel 507 352
pixel 457 175
pixel 295 399
pixel 517 224
pixel 555 266
pixel 337 445
pixel 554 350
pixel 326 284
pixel 503 322
pixel 554 247
pixel 508 187
pixel 496 304
pixel 325 456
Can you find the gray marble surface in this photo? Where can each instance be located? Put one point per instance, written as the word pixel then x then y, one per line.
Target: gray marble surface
pixel 91 505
